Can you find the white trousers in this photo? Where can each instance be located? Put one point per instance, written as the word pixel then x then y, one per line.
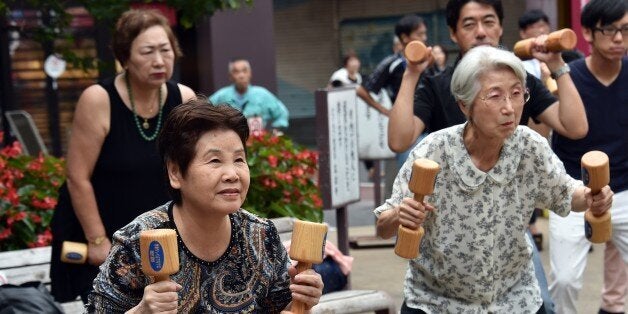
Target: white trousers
pixel 569 249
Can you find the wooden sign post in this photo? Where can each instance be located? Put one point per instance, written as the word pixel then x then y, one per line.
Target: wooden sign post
pixel 336 125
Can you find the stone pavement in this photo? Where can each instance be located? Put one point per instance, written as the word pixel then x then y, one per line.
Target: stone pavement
pixel 381 269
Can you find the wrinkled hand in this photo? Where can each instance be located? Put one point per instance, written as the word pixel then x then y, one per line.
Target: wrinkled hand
pixel 554 60
pixel 411 213
pixel 160 297
pixel 97 254
pixel 601 202
pixel 306 287
pixel 418 68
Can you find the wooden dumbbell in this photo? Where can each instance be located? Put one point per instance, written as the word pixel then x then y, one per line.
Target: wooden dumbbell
pixel 307 247
pixel 415 52
pixel 73 252
pixel 421 184
pixel 564 39
pixel 596 175
pixel 160 253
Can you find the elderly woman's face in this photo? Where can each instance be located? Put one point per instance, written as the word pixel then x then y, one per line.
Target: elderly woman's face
pixel 497 108
pixel 218 177
pixel 152 59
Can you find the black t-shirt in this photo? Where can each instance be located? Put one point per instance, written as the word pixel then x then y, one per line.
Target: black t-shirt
pixel 436 107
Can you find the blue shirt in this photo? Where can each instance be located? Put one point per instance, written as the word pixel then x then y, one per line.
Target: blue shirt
pixel 255 102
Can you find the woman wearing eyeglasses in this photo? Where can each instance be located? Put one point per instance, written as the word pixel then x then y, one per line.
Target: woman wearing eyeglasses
pixel 474 256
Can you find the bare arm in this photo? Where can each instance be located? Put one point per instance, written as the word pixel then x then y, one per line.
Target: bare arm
pixel 410 214
pixel 364 94
pixel 89 128
pixel 566 116
pixel 186 92
pixel 582 199
pixel 404 127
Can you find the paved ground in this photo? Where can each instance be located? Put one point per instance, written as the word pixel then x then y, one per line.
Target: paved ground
pixel 381 269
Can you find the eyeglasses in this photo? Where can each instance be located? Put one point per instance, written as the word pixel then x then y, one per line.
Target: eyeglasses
pixel 611 31
pixel 498 99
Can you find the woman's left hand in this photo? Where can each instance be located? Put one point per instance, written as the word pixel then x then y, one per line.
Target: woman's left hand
pixel 306 287
pixel 600 202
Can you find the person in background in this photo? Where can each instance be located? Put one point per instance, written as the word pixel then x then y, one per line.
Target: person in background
pixel 534 23
pixel 113 169
pixel 475 256
pixel 349 75
pixel 262 109
pixel 440 61
pixel 230 260
pixel 602 79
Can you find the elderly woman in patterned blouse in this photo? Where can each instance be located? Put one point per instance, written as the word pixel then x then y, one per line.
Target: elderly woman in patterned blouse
pixel 230 260
pixel 474 256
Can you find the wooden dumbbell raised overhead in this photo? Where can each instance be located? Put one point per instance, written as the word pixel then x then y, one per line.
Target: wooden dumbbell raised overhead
pixel 564 39
pixel 596 175
pixel 306 247
pixel 159 253
pixel 415 52
pixel 421 184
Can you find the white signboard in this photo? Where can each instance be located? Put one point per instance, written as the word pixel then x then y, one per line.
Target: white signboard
pixel 373 129
pixel 336 124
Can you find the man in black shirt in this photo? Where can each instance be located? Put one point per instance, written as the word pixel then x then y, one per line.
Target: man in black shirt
pixel 389 72
pixel 474 23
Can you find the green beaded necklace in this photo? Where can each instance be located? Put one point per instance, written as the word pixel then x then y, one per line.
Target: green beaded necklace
pixel 135 116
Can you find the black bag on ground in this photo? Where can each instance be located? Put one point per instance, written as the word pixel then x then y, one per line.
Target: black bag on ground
pixel 29 297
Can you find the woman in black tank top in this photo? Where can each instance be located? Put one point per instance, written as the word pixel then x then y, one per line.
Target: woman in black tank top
pixel 113 169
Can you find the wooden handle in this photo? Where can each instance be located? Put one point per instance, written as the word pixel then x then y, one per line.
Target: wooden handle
pixel 299 307
pixel 564 39
pixel 307 247
pixel 159 252
pixel 415 52
pixel 74 252
pixel 421 183
pixel 596 175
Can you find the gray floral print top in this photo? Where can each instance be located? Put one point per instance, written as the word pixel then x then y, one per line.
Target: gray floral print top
pixel 474 256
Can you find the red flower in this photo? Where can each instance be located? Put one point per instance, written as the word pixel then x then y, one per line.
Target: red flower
pixel 5 233
pixel 12 150
pixel 46 203
pixel 272 161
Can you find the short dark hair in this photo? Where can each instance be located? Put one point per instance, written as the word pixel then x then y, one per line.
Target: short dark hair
pixel 407 24
pixel 455 6
pixel 131 24
pixel 186 124
pixel 530 17
pixel 604 11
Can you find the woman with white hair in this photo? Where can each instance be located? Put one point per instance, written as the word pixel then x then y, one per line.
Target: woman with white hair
pixel 474 254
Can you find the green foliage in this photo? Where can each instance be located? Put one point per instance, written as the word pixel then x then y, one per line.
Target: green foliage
pixel 189 12
pixel 28 195
pixel 283 179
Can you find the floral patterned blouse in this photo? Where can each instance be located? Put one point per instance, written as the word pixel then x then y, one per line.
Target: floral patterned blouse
pixel 251 277
pixel 474 256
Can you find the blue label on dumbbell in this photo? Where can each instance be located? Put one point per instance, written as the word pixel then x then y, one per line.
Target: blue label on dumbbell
pixel 73 256
pixel 156 255
pixel 585 175
pixel 588 230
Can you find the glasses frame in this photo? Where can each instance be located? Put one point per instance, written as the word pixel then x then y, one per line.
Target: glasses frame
pixel 526 98
pixel 622 30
